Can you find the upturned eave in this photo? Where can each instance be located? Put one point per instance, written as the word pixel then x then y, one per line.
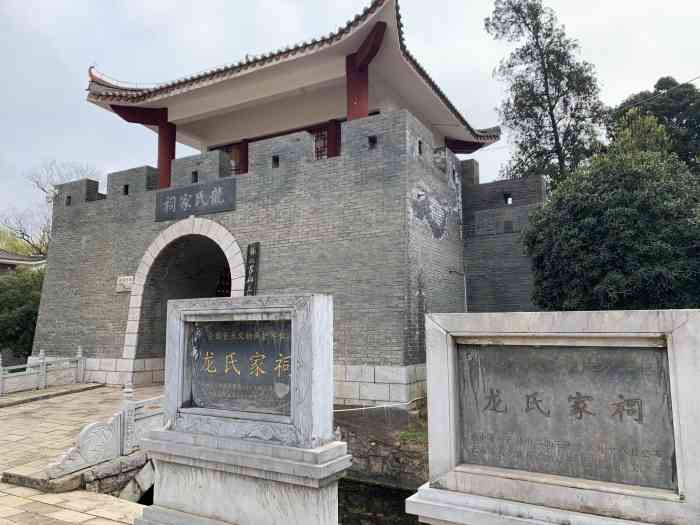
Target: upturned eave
pixel 433 102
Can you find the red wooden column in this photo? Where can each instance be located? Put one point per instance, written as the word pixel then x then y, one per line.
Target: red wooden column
pixel 333 138
pixel 358 90
pixel 166 135
pixel 357 72
pixel 166 153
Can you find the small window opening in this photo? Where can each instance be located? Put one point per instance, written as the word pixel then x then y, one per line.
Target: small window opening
pixel 320 143
pixel 420 147
pixel 508 199
pixel 125 189
pixel 372 141
pixel 275 161
pixel 195 177
pixel 68 200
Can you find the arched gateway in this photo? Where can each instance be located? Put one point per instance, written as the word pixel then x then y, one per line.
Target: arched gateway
pixel 184 228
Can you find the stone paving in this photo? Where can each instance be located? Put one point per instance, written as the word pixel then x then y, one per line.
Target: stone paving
pixel 34 434
pixel 24 506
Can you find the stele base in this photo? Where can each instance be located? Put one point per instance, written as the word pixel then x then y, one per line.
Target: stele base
pixel 206 480
pixel 446 507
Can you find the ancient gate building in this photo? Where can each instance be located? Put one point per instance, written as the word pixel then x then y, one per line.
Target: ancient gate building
pixel 327 167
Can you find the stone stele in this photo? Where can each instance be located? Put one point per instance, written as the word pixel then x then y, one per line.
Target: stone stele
pixel 580 418
pixel 257 448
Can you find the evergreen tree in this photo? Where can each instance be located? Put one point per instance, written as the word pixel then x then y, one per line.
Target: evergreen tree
pixel 677 107
pixel 20 292
pixel 623 231
pixel 552 105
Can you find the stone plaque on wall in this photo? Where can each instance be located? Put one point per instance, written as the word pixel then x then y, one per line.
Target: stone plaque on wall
pixel 124 283
pixel 242 366
pixel 585 412
pixel 197 199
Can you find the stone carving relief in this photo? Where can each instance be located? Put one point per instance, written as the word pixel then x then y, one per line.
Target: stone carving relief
pixel 271 432
pixel 96 443
pixel 99 442
pixel 130 437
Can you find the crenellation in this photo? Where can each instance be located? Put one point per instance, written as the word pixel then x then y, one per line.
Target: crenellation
pixel 77 192
pixel 135 180
pixel 206 167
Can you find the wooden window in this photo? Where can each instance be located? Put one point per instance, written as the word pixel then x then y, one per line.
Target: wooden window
pixel 326 140
pixel 320 142
pixel 235 152
pixel 239 156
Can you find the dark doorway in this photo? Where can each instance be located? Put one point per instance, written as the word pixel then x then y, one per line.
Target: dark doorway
pixel 190 267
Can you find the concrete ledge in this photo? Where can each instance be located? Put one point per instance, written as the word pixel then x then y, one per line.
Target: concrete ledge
pixel 402 375
pixel 294 469
pixel 155 515
pixel 314 456
pixel 67 483
pixel 367 385
pixel 19 398
pixel 443 507
pixel 119 372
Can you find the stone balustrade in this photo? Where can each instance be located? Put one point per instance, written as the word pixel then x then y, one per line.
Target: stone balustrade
pixel 42 372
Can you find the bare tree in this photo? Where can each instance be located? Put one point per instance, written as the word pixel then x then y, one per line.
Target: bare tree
pixel 33 226
pixel 51 173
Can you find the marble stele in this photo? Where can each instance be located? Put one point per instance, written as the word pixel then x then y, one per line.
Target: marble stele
pixel 216 466
pixel 532 419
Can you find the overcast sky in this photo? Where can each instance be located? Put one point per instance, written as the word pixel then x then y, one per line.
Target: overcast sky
pixel 46 47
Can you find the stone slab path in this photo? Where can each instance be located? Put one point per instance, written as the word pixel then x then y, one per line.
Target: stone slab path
pixel 34 434
pixel 24 506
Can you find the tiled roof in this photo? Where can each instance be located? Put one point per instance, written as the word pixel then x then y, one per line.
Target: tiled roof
pixel 101 88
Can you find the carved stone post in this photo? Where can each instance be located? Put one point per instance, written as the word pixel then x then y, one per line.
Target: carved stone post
pixel 41 379
pixel 128 393
pixel 128 414
pixel 80 366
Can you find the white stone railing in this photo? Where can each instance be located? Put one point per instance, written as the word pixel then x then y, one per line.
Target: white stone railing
pixel 99 442
pixel 42 372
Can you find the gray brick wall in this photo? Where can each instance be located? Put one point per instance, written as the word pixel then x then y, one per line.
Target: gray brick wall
pixel 435 247
pixel 381 227
pixel 499 274
pixel 330 226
